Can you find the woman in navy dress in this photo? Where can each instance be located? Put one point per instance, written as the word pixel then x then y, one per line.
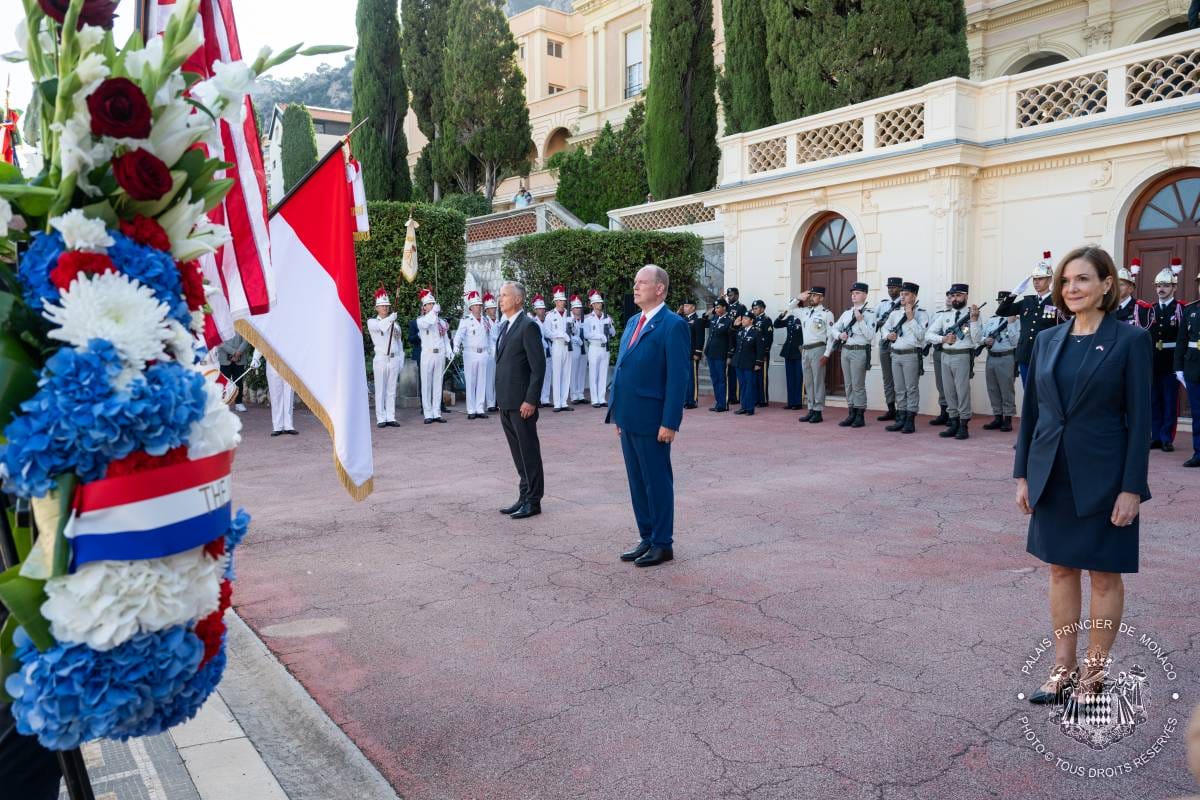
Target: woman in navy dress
pixel 1082 460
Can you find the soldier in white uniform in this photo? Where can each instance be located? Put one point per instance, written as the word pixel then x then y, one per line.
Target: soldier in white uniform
pixel 598 328
pixel 852 335
pixel 489 318
pixel 387 341
pixel 539 316
pixel 905 330
pixel 474 342
pixel 958 331
pixel 435 349
pixel 1001 335
pixel 884 310
pixel 283 398
pixel 579 362
pixel 557 322
pixel 817 325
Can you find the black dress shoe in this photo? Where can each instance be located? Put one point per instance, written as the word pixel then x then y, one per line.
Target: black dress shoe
pixel 470 416
pixel 493 408
pixel 1168 447
pixel 481 416
pixel 595 405
pixel 440 419
pixel 527 510
pixel 294 432
pixel 377 425
pixel 429 420
pixel 557 409
pixel 280 433
pixel 749 413
pixel 655 555
pixel 391 424
pixel 514 508
pixel 1194 461
pixel 741 411
pixel 636 552
pixel 1155 444
pixel 690 405
pixel 567 408
pixel 543 405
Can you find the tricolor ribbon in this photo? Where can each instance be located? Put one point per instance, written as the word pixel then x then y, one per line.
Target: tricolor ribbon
pixel 152 514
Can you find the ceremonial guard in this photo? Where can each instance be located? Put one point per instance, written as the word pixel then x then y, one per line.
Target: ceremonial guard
pixel 539 316
pixel 736 309
pixel 1037 311
pixel 1164 332
pixel 958 332
pixel 943 416
pixel 579 363
pixel 852 335
pixel 489 317
pixel 758 310
pixel 905 330
pixel 388 360
pixel 722 339
pixel 748 356
pixel 792 354
pixel 696 324
pixel 435 347
pixel 556 327
pixel 1000 338
pixel 1187 369
pixel 474 343
pixel 816 322
pixel 414 341
pixel 1130 309
pixel 882 312
pixel 283 397
pixel 598 328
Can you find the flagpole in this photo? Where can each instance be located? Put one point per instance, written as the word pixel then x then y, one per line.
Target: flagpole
pixel 320 163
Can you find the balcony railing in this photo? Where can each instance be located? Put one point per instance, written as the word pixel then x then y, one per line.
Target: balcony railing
pixel 537 218
pixel 1104 87
pixel 682 212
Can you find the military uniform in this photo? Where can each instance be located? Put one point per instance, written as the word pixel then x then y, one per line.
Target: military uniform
pixel 579 362
pixel 1164 391
pixel 906 361
pixel 474 343
pixel 956 361
pixel 1187 370
pixel 557 333
pixel 817 324
pixel 767 331
pixel 1000 370
pixel 793 356
pixel 539 302
pixel 722 339
pixel 435 348
pixel 489 305
pixel 736 309
pixel 943 416
pixel 386 363
pixel 1037 313
pixel 856 356
pixel 1135 312
pixel 696 325
pixel 748 355
pixel 884 310
pixel 597 330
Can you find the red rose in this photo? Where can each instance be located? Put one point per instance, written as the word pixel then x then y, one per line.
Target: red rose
pixel 193 284
pixel 94 12
pixel 147 231
pixel 74 263
pixel 142 175
pixel 119 109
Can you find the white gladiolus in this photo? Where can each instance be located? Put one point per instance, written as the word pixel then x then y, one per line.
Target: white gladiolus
pixel 176 129
pixel 117 308
pixel 81 233
pixel 6 215
pixel 179 220
pixel 91 68
pixel 136 61
pixel 89 37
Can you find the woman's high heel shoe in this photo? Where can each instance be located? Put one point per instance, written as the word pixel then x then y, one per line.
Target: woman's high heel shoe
pixel 1054 690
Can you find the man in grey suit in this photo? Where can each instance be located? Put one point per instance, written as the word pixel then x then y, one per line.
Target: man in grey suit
pixel 520 371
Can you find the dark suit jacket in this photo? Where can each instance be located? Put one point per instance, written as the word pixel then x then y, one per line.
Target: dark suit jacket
pixel 650 379
pixel 1104 426
pixel 520 364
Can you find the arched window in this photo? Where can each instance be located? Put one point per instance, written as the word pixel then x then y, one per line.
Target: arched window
pixel 833 238
pixel 1036 61
pixel 1176 205
pixel 1165 28
pixel 1164 223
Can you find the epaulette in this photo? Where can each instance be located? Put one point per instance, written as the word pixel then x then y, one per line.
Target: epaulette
pixel 1144 304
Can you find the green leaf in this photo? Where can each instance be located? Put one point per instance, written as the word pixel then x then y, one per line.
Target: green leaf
pixel 23 597
pixel 215 192
pixel 22 534
pixel 49 91
pixel 152 208
pixel 324 49
pixel 192 163
pixel 18 379
pixel 103 210
pixel 10 174
pixel 8 659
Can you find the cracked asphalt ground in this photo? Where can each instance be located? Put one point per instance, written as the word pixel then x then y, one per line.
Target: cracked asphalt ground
pixel 847 616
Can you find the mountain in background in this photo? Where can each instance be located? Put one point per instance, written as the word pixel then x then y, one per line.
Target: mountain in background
pixel 517 6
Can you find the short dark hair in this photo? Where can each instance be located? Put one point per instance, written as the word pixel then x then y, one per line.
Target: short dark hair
pixel 1102 262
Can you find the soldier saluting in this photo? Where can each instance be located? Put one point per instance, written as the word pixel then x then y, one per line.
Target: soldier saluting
pixel 1037 311
pixel 791 354
pixel 720 345
pixel 747 360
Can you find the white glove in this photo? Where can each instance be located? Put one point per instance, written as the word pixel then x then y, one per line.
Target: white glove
pixel 437 308
pixel 1179 375
pixel 1022 287
pixel 256 362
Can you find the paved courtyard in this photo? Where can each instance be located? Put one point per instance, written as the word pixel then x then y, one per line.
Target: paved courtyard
pixel 847 615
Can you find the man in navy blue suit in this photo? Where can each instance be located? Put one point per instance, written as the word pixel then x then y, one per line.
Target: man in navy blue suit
pixel 648 391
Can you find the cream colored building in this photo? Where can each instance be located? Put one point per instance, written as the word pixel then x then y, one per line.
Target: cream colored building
pixel 331 124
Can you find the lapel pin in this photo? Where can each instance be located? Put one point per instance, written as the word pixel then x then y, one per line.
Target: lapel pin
pixel 1100 347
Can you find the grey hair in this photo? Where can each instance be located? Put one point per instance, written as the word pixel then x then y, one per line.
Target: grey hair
pixel 519 288
pixel 660 276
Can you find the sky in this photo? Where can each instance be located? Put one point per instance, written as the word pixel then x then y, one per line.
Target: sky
pixel 277 23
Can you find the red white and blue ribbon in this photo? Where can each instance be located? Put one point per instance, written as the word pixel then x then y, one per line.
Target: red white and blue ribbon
pixel 152 514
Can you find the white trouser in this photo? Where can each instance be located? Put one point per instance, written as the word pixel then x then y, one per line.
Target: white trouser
pixel 387 372
pixel 560 360
pixel 548 381
pixel 579 374
pixel 491 382
pixel 432 366
pixel 283 398
pixel 475 368
pixel 598 371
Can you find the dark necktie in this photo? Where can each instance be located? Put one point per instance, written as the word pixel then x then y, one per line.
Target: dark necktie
pixel 500 335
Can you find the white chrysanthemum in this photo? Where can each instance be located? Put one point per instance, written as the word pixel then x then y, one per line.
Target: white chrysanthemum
pixel 113 307
pixel 81 233
pixel 6 215
pixel 91 68
pixel 88 37
pixel 219 429
pixel 105 603
pixel 182 343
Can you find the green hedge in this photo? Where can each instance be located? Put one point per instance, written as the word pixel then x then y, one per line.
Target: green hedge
pixel 471 205
pixel 441 258
pixel 583 260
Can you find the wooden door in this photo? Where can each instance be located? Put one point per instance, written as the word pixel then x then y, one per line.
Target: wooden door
pixel 831 260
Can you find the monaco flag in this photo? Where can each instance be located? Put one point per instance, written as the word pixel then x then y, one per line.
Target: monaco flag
pixel 313 333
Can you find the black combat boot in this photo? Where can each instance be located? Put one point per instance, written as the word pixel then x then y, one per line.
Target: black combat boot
pixel 910 424
pixel 889 416
pixel 898 425
pixel 859 418
pixel 851 415
pixel 951 429
pixel 962 432
pixel 995 424
pixel 1006 424
pixel 817 416
pixel 942 418
pixel 808 417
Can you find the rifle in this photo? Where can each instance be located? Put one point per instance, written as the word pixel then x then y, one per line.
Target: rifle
pixel 837 343
pixel 957 329
pixel 999 330
pixel 879 323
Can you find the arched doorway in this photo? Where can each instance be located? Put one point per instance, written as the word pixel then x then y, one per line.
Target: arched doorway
pixel 1164 223
pixel 830 259
pixel 1036 61
pixel 556 142
pixel 1167 27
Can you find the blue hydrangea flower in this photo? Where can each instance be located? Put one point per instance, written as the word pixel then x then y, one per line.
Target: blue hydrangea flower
pixel 72 694
pixel 237 532
pixel 155 269
pixel 77 422
pixel 181 707
pixel 35 266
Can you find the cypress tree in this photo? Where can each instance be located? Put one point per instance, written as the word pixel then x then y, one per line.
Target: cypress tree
pixel 381 98
pixel 681 104
pixel 484 92
pixel 745 86
pixel 422 46
pixel 299 148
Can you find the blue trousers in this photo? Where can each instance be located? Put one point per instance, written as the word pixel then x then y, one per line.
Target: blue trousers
pixel 747 385
pixel 716 371
pixel 1164 407
pixel 1023 368
pixel 731 384
pixel 1193 393
pixel 693 392
pixel 793 369
pixel 651 486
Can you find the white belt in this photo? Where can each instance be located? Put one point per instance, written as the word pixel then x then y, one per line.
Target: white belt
pixel 1165 345
pixel 1195 344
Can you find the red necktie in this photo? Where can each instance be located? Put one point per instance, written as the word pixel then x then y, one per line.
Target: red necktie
pixel 637 330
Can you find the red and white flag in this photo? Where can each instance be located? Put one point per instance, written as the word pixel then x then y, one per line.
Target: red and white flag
pixel 313 333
